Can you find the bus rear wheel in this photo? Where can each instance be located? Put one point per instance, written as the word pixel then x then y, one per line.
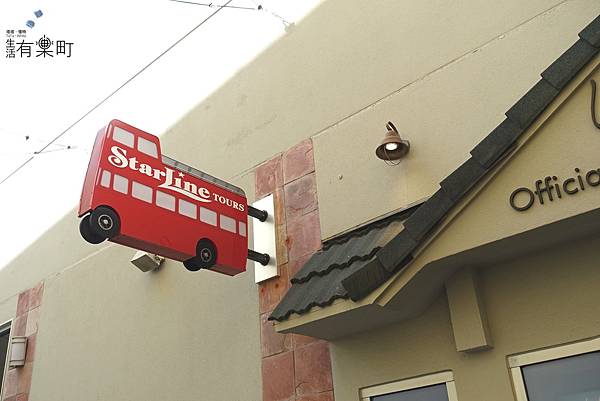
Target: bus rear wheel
pixel 105 222
pixel 206 256
pixel 86 231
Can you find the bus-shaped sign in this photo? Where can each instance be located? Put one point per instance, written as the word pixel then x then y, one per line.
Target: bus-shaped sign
pixel 135 196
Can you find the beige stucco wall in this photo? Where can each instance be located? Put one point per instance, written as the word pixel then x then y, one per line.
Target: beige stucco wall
pixel 444 73
pixel 108 331
pixel 536 301
pixel 7 309
pixel 443 113
pixel 562 139
pixel 567 140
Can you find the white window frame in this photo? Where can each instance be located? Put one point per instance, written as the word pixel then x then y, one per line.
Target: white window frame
pixel 117 131
pixel 116 180
pixel 206 215
pixel 136 194
pixel 188 203
pixel 516 362
pixel 142 144
pixel 227 223
pixel 158 194
pixel 105 173
pixel 412 384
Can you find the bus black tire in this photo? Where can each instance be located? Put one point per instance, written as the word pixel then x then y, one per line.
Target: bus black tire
pixel 206 253
pixel 191 265
pixel 105 222
pixel 86 231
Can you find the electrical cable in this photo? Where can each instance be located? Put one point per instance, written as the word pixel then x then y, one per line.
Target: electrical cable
pixel 27 137
pixel 211 5
pixel 40 153
pixel 285 22
pixel 259 7
pixel 114 92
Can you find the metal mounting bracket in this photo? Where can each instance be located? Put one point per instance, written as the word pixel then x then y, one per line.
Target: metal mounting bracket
pixel 265 241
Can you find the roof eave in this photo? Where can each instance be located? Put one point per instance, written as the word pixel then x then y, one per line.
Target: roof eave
pixel 396 267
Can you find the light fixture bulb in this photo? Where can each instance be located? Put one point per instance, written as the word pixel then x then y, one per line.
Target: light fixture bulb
pixel 391 146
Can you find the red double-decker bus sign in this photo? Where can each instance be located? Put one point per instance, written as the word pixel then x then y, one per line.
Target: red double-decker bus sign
pixel 135 196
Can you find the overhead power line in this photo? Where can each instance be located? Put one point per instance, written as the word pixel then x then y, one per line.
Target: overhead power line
pixel 27 137
pixel 259 7
pixel 274 14
pixel 212 5
pixel 115 91
pixel 38 153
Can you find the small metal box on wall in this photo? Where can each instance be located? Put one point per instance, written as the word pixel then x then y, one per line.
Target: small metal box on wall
pixel 18 351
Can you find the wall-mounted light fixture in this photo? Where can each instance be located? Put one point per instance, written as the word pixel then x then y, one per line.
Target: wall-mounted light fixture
pixel 146 261
pixel 18 350
pixel 392 147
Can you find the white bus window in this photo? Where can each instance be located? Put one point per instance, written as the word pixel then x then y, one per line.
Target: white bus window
pixel 165 201
pixel 187 208
pixel 227 223
pixel 141 191
pixel 208 216
pixel 242 230
pixel 105 180
pixel 122 136
pixel 147 147
pixel 120 184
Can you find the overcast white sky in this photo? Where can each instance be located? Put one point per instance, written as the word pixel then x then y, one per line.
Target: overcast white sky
pixel 112 40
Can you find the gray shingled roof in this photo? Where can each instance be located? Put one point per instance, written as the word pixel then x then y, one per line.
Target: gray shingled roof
pixel 356 264
pixel 319 282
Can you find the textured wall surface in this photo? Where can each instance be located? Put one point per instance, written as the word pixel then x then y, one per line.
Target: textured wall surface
pixel 537 301
pixel 294 367
pixel 25 322
pixel 109 331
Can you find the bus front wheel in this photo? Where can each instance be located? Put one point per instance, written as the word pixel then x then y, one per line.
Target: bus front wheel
pixel 206 256
pixel 105 222
pixel 86 231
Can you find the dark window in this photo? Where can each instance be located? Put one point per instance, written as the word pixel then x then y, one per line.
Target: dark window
pixel 4 337
pixel 576 378
pixel 430 393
